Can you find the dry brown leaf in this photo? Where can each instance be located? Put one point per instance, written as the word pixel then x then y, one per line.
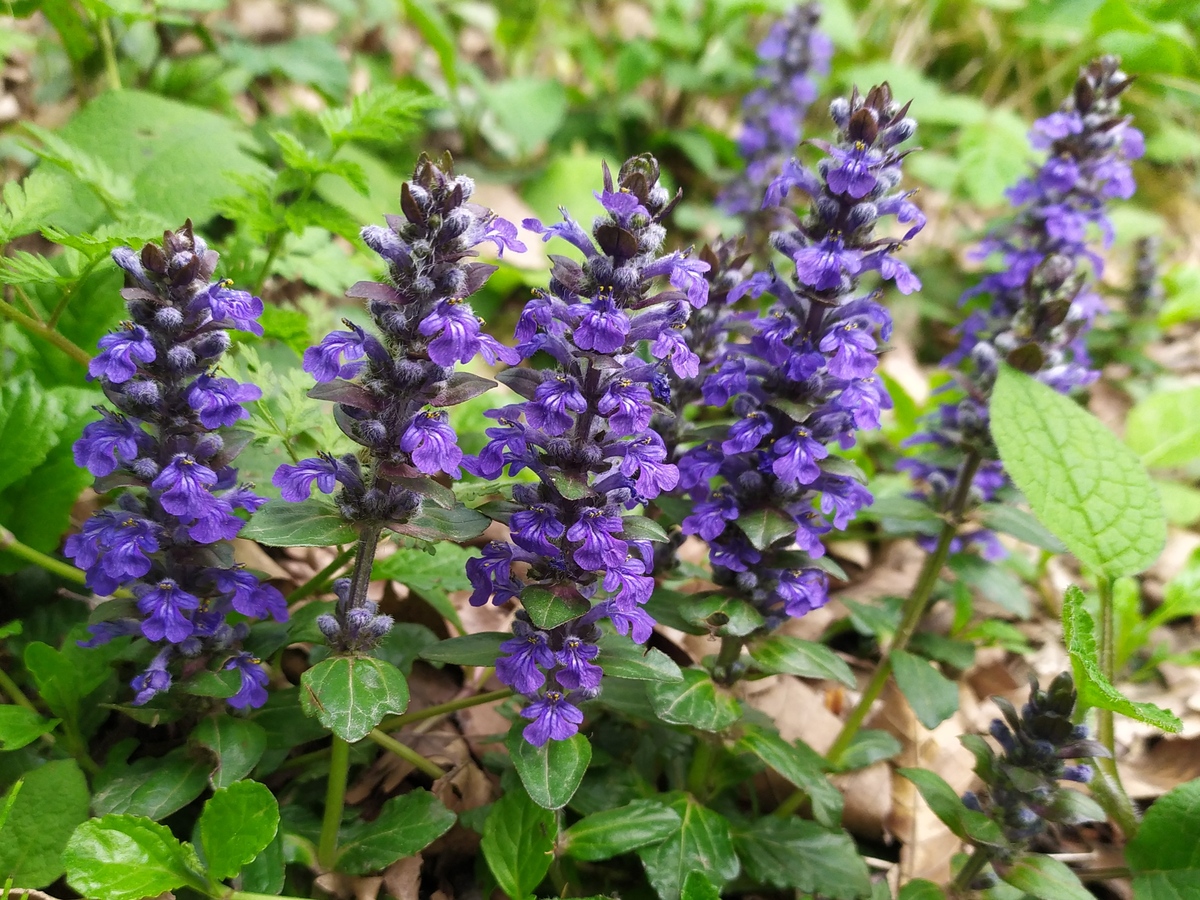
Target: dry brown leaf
pixel 350 887
pixel 402 879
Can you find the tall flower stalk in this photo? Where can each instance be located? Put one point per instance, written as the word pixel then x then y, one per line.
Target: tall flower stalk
pixel 168 447
pixel 392 387
pixel 1040 304
pixel 805 381
pixel 609 329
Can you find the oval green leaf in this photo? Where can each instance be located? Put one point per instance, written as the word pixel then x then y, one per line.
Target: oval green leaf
pixel 695 701
pixel 237 824
pixel 551 773
pixel 350 695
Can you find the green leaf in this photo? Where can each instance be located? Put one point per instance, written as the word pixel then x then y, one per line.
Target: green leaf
pixel 406 825
pixel 793 853
pixel 350 695
pixel 311 59
pixel 238 745
pixel 237 824
pixel 946 805
pixel 180 158
pixel 921 889
pixel 932 696
pixel 153 788
pixel 763 527
pixel 1164 855
pixel 428 20
pixel 703 842
pixel 312 523
pixel 525 112
pixel 903 515
pixel 20 726
pixel 622 658
pixel 994 581
pixel 992 153
pixel 548 609
pixel 1009 519
pixel 802 766
pixel 432 576
pixel 126 858
pixel 639 528
pixel 551 773
pixel 1079 635
pixel 697 887
pixel 30 418
pixel 719 614
pixel 51 802
pixel 65 677
pixel 695 701
pixel 1082 483
pixel 518 843
pixel 1046 879
pixel 1164 429
pixel 480 649
pixel 612 832
pixel 431 523
pixel 781 654
pixel 869 746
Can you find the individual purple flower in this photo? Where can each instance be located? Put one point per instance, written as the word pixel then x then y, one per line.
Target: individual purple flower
pixel 537 528
pixel 185 484
pixel 688 276
pixel 155 680
pixel 432 443
pixel 630 584
pixel 252 691
pixel 802 591
pixel 248 595
pixel 554 718
pixel 626 403
pixel 553 402
pixel 457 331
pixel 672 346
pixel 526 652
pixel 295 482
pixel 239 308
pixel 709 517
pixel 120 353
pixel 796 456
pixel 594 529
pixel 219 400
pixel 491 576
pixel 130 545
pixel 338 355
pixel 108 443
pixel 827 266
pixel 747 433
pixel 578 669
pixel 164 606
pixel 602 328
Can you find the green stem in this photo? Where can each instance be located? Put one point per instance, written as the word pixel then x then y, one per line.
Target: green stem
pixel 9 543
pixel 391 724
pixel 364 559
pixel 319 581
pixel 32 325
pixel 1107 788
pixel 914 606
pixel 14 692
pixel 701 767
pixel 406 753
pixel 790 804
pixel 335 802
pixel 969 872
pixel 731 652
pixel 110 54
pixel 61 306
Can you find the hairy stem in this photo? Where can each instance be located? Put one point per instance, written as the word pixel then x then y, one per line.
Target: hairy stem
pixel 969 872
pixel 364 559
pixel 406 753
pixel 335 802
pixel 10 544
pixel 33 326
pixel 914 606
pixel 1107 787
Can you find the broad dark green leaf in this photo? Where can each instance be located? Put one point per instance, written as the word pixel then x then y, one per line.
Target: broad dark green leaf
pixel 518 843
pixel 238 745
pixel 20 726
pixel 237 824
pixel 153 788
pixel 1087 487
pixel 948 806
pixel 432 576
pixel 695 701
pixel 434 524
pixel 869 746
pixel 802 766
pixel 1009 519
pixel 65 677
pixel 51 802
pixel 622 658
pixel 921 889
pixel 932 696
pixel 30 418
pixel 994 580
pixel 781 654
pixel 1165 855
pixel 763 527
pixel 1046 879
pixel 266 872
pixel 350 695
pixel 703 842
pixel 126 858
pixel 794 853
pixel 406 825
pixel 551 773
pixel 697 887
pixel 721 615
pixel 639 528
pixel 1079 635
pixel 549 610
pixel 612 832
pixel 313 523
pixel 480 649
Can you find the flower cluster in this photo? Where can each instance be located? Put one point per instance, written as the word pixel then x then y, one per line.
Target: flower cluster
pixel 576 555
pixel 773 113
pixel 392 389
pixel 1040 303
pixel 806 379
pixel 169 445
pixel 1021 790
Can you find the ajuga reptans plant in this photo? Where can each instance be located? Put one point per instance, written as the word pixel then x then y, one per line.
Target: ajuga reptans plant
pixel 1041 301
pixel 392 388
pixel 577 555
pixel 806 379
pixel 169 448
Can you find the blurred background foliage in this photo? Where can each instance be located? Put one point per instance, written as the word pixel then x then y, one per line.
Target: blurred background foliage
pixel 281 127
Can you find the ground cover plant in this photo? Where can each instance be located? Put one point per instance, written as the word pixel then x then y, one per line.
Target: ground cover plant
pixel 677 449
